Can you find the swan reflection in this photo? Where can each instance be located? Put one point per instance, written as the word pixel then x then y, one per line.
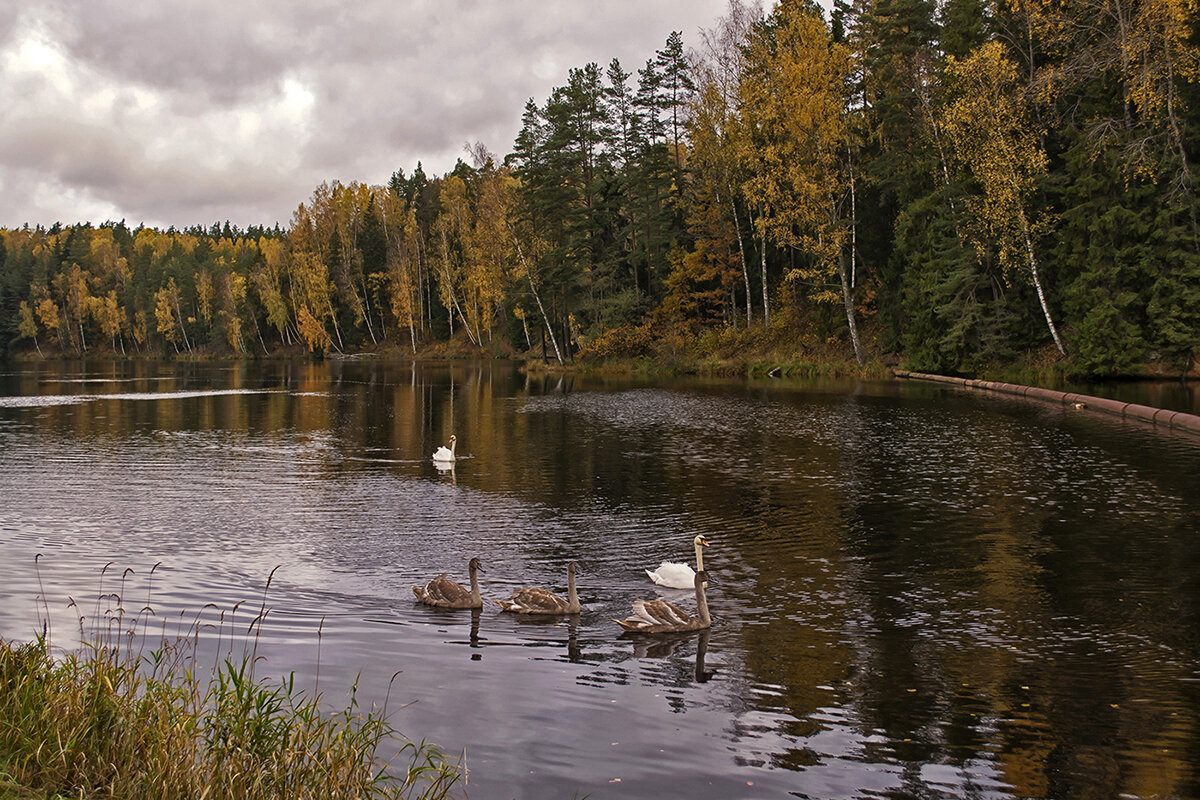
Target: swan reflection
pixel 667 646
pixel 473 638
pixel 446 468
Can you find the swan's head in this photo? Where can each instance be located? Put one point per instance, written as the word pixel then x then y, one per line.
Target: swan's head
pixel 700 540
pixel 574 568
pixel 702 578
pixel 453 439
pixel 475 563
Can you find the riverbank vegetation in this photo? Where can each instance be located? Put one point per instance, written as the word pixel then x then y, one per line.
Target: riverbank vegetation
pixel 122 718
pixel 954 186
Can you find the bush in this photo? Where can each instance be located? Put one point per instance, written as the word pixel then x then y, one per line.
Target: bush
pixel 627 341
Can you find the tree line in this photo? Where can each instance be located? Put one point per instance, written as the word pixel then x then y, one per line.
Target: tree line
pixel 958 182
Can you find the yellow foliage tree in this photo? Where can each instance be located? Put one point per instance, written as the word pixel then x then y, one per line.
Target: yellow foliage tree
pixel 992 137
pixel 164 316
pixel 47 314
pixel 795 99
pixel 311 284
pixel 111 317
pixel 205 293
pixel 231 296
pixel 453 231
pixel 267 280
pixel 1147 46
pixel 490 249
pixel 169 316
pixel 72 288
pixel 104 257
pixel 719 147
pixel 27 325
pixel 313 332
pixel 139 327
pixel 402 264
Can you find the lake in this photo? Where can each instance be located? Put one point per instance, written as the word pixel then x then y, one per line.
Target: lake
pixel 917 592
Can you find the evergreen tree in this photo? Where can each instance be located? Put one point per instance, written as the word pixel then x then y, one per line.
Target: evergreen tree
pixel 894 72
pixel 372 243
pixel 653 179
pixel 964 25
pixel 677 89
pixel 624 139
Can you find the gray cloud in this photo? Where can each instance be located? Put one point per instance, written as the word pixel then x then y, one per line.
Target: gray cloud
pixel 191 111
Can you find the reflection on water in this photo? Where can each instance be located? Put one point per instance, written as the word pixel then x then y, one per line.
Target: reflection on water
pixel 918 593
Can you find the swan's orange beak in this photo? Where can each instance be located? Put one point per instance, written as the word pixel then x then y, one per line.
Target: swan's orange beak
pixel 704 542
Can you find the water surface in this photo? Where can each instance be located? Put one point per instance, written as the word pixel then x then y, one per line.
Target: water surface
pixel 917 592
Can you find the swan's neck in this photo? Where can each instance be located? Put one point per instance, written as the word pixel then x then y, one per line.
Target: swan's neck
pixel 702 603
pixel 572 595
pixel 699 557
pixel 475 596
pixel 453 447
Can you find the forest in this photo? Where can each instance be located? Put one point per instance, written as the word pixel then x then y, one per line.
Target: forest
pixel 948 185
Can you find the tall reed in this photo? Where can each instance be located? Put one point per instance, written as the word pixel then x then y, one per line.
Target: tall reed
pixel 115 720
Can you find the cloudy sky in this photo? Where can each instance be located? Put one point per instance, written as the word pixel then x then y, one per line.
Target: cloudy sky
pixel 178 112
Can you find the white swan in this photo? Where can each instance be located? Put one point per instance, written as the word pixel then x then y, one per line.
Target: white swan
pixel 662 616
pixel 535 600
pixel 446 454
pixel 677 575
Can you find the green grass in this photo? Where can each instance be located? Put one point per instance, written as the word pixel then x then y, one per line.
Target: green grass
pixel 114 721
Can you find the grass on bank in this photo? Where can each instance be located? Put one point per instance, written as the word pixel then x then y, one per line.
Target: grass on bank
pixel 778 351
pixel 109 721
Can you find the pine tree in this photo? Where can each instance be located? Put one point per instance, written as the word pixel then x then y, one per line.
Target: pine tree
pixel 677 89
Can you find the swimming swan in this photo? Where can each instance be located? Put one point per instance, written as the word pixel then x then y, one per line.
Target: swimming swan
pixel 445 593
pixel 662 616
pixel 533 600
pixel 680 576
pixel 445 454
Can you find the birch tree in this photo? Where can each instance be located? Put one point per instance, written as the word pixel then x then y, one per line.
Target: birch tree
pixel 993 137
pixel 795 96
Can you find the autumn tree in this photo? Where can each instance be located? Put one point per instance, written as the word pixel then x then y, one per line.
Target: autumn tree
pixel 51 320
pixel 491 246
pixel 312 290
pixel 795 97
pixel 72 287
pixel 451 253
pixel 402 263
pixel 962 167
pixel 27 326
pixel 110 317
pixel 993 137
pixel 718 156
pixel 268 278
pixel 1114 77
pixel 166 322
pixel 701 281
